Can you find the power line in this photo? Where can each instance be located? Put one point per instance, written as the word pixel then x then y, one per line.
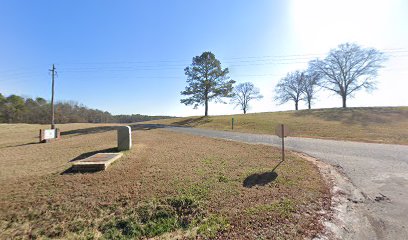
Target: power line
pixel 136 65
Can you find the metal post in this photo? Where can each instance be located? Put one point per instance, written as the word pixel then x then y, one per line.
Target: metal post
pixel 52 98
pixel 283 144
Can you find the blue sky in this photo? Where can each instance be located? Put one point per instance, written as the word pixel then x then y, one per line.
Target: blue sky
pixel 128 56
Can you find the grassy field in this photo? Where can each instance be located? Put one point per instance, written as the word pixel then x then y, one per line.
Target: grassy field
pixel 168 186
pixel 376 124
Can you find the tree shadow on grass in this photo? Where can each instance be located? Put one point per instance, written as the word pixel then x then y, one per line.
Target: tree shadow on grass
pixel 191 122
pixel 363 116
pixel 102 129
pixel 91 130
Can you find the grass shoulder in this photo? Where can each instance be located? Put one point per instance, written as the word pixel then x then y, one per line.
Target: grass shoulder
pixel 169 185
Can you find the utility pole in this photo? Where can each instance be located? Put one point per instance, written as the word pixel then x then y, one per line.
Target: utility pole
pixel 52 98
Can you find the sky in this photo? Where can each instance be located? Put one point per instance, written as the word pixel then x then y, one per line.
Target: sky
pixel 128 57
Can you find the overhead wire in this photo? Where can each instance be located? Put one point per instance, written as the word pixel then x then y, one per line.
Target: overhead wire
pixel 132 66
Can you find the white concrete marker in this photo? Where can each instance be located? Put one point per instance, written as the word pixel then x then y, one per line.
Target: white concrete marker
pixel 124 138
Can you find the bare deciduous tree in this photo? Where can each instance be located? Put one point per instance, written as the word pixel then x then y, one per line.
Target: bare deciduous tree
pixel 243 93
pixel 290 88
pixel 349 68
pixel 310 86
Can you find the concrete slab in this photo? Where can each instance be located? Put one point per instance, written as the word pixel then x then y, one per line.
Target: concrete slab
pixel 97 162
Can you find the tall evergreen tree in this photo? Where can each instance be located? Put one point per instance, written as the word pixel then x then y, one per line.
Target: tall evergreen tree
pixel 207 81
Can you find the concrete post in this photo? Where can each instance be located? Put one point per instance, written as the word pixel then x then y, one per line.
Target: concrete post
pixel 124 138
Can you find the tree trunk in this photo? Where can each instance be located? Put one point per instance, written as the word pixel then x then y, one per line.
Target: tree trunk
pixel 206 107
pixel 309 104
pixel 244 111
pixel 296 105
pixel 344 101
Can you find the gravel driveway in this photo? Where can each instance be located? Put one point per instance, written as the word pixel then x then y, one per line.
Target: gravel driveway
pixel 380 171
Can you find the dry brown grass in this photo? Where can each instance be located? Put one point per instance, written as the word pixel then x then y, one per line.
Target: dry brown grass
pixel 375 124
pixel 229 180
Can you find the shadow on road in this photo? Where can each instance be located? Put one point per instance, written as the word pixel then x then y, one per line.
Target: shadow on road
pixel 145 127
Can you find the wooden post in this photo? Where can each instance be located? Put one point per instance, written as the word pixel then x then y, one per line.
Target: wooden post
pixel 232 124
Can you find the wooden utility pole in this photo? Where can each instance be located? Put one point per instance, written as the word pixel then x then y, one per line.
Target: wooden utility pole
pixel 52 98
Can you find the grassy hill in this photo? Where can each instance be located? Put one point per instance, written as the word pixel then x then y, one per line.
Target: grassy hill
pixel 371 124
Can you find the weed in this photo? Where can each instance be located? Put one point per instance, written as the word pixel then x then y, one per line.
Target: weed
pixel 155 218
pixel 222 178
pixel 209 160
pixel 197 190
pixel 212 225
pixel 186 208
pixel 160 226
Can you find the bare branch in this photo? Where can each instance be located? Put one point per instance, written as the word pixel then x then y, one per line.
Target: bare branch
pixel 349 68
pixel 243 93
pixel 290 88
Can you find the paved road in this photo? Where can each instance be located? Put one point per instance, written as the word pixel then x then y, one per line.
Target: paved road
pixel 380 171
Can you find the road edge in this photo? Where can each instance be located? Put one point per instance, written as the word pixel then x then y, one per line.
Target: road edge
pixel 347 218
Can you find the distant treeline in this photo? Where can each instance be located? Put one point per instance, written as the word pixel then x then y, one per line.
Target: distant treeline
pixel 16 109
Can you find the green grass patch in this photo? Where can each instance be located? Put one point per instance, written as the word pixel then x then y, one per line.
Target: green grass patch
pixel 283 208
pixel 157 217
pixel 198 190
pixel 212 225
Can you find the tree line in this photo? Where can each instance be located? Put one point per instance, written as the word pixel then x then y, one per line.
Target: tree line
pixel 344 71
pixel 16 109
